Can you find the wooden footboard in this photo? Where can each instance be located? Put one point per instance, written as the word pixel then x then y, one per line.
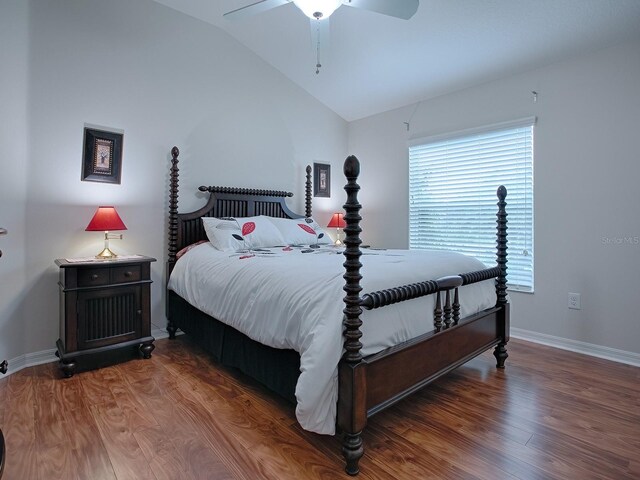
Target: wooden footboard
pixel 429 356
pixel 370 384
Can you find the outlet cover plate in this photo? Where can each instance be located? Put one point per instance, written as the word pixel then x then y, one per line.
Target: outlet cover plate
pixel 574 301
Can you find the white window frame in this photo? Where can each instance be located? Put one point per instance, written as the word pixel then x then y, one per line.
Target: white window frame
pixel 441 151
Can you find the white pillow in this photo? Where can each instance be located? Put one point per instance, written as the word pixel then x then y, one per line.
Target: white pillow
pixel 300 231
pixel 233 234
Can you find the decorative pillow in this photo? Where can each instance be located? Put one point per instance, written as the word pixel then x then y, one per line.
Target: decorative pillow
pixel 234 234
pixel 300 231
pixel 189 247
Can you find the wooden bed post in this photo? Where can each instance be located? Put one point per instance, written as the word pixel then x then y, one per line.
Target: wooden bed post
pixel 173 228
pixel 307 193
pixel 500 351
pixel 352 412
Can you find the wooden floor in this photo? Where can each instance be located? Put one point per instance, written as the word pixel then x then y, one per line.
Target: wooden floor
pixel 550 414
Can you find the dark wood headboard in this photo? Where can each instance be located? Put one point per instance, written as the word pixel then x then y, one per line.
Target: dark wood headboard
pixel 186 228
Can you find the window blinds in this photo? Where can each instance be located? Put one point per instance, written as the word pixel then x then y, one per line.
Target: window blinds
pixel 452 195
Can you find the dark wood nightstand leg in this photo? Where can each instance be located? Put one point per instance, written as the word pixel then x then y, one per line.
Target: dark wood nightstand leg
pixel 146 349
pixel 68 367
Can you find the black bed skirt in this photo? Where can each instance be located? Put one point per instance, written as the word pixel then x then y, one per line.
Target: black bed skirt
pixel 276 369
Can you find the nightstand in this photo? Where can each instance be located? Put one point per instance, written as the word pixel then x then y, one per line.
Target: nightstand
pixel 104 305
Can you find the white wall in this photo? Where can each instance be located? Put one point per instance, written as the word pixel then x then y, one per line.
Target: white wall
pixel 587 169
pixel 165 79
pixel 13 173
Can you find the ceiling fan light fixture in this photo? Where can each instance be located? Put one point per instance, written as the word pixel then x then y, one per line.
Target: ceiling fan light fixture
pixel 317 9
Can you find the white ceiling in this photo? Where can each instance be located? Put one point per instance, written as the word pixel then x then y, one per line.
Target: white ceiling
pixel 375 63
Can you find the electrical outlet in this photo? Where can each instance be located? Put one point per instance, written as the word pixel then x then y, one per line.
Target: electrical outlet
pixel 574 301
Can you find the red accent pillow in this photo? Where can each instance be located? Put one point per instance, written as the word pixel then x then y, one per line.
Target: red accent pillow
pixel 189 247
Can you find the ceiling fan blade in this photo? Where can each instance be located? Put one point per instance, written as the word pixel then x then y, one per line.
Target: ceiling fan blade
pixel 320 41
pixel 254 8
pixel 395 8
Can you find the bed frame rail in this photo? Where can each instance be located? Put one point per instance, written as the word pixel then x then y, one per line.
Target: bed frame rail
pixel 445 314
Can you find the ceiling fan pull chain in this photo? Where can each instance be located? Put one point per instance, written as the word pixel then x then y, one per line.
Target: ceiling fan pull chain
pixel 318 65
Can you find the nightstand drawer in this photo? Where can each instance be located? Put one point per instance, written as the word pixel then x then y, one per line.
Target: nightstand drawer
pixel 130 273
pixel 89 277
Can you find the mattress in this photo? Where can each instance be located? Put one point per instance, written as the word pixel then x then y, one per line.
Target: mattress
pixel 292 298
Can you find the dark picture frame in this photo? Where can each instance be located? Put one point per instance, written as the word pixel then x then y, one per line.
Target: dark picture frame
pixel 102 156
pixel 321 180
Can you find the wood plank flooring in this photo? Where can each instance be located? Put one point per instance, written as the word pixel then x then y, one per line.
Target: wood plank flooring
pixel 550 415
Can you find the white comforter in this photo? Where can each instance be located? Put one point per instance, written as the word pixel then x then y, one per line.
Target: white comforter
pixel 293 298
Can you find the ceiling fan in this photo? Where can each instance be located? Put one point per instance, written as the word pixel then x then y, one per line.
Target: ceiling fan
pixel 319 12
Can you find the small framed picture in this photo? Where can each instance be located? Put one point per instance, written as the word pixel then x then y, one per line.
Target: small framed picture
pixel 321 180
pixel 101 156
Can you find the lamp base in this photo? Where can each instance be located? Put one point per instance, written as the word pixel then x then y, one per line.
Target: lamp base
pixel 106 254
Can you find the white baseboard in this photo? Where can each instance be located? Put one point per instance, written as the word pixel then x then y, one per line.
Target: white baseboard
pixel 31 359
pixel 47 356
pixel 613 354
pixel 622 356
pixel 159 333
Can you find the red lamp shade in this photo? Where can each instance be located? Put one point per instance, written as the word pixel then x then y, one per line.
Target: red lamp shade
pixel 337 221
pixel 105 219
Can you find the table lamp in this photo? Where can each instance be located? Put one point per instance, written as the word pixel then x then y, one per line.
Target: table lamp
pixel 106 219
pixel 337 222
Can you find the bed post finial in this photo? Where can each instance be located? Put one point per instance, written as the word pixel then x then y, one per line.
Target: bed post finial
pixel 352 414
pixel 307 193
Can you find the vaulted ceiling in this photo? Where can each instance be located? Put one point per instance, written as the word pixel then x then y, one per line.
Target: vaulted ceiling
pixel 374 63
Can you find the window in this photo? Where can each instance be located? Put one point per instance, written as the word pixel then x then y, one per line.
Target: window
pixel 452 195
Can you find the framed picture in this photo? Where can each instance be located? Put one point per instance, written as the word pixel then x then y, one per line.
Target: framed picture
pixel 321 180
pixel 101 156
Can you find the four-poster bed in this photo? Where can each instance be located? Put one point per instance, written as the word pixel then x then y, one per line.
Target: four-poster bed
pixel 366 383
